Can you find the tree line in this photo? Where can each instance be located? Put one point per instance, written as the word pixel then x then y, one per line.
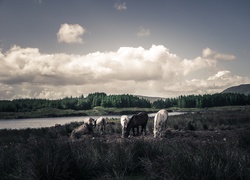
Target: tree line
pixel 204 101
pixel 124 100
pixel 75 103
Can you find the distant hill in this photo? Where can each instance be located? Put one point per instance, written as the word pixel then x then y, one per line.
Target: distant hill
pixel 243 89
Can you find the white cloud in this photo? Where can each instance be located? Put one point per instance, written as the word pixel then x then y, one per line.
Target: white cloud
pixel 142 32
pixel 215 83
pixel 221 75
pixel 26 72
pixel 70 33
pixel 208 53
pixel 120 6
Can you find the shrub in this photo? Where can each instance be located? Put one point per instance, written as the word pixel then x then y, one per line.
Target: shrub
pixel 176 126
pixel 50 160
pixel 205 126
pixel 190 126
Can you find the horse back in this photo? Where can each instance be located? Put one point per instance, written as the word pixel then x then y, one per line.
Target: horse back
pixel 88 120
pixel 161 116
pixel 101 121
pixel 124 120
pixel 139 119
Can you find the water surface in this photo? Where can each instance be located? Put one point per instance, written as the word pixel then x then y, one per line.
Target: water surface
pixel 48 122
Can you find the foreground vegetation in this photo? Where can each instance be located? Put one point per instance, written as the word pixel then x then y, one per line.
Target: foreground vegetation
pixel 212 144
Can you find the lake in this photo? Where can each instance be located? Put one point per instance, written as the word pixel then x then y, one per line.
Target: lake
pixel 48 122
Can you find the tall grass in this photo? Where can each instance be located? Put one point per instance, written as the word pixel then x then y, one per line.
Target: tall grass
pixel 210 120
pixel 47 153
pixel 188 160
pixel 147 159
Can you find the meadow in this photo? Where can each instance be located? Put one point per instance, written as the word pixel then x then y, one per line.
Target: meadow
pixel 211 143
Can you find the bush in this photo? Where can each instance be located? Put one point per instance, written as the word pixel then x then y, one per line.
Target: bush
pixel 205 126
pixel 190 126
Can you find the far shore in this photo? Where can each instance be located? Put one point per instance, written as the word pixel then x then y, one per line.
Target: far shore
pixel 53 112
pixel 98 111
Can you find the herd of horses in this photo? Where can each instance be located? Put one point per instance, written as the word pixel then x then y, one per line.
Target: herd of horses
pixel 134 122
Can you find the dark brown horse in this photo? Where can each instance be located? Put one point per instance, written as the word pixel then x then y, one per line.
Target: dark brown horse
pixel 135 121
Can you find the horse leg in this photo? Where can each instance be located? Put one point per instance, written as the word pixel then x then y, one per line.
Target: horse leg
pixel 101 129
pixel 143 128
pixel 165 125
pixel 123 130
pixel 133 131
pixel 155 130
pixel 162 127
pixel 138 131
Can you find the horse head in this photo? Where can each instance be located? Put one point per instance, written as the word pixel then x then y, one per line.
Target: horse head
pixel 129 125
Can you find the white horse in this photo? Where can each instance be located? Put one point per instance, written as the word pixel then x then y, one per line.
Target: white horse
pixel 124 122
pixel 89 121
pixel 160 122
pixel 81 130
pixel 100 123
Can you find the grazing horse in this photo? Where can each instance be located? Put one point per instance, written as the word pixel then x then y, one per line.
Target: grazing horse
pixel 100 123
pixel 58 126
pixel 160 122
pixel 81 130
pixel 135 121
pixel 89 121
pixel 124 122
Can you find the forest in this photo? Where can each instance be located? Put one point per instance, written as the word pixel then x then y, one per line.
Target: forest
pixel 123 101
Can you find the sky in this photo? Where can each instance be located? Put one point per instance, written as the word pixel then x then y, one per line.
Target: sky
pixel 165 48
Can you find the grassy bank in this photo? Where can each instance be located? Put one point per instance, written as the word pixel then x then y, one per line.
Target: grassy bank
pixel 201 145
pixel 53 112
pixel 98 111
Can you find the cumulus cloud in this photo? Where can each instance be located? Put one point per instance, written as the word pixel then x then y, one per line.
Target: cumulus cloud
pixel 142 32
pixel 26 72
pixel 215 83
pixel 70 33
pixel 120 6
pixel 208 53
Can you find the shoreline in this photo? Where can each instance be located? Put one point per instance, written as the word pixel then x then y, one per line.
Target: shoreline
pixel 54 113
pixel 100 111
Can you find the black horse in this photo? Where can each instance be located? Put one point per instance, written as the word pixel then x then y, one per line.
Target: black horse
pixel 135 121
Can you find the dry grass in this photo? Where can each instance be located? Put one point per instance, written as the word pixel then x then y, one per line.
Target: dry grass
pixel 210 145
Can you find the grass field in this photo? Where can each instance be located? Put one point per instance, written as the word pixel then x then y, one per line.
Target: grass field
pixel 208 144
